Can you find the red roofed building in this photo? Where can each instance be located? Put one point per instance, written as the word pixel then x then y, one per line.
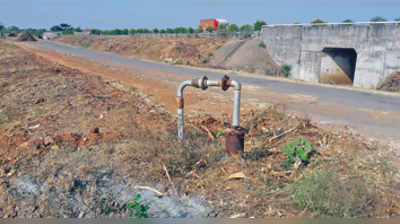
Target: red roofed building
pixel 214 23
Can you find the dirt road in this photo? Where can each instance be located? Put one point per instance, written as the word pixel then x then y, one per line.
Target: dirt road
pixel 367 112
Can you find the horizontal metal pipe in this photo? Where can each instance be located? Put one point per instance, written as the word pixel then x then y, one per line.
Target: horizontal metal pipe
pixel 213 83
pixel 204 83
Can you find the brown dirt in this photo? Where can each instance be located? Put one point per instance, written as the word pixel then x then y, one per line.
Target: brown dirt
pixel 183 50
pixel 339 78
pixel 246 55
pixel 94 129
pixel 391 83
pixel 238 55
pixel 25 36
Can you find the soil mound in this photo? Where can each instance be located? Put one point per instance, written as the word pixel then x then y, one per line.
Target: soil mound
pixel 249 56
pixel 25 36
pixel 391 83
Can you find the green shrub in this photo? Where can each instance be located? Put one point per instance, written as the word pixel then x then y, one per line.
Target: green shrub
pixel 298 151
pixel 199 29
pixel 326 193
pixel 233 28
pixel 210 29
pixel 262 45
pixel 317 22
pixel 348 21
pixel 258 25
pixel 135 208
pixel 246 31
pixel 378 19
pixel 68 32
pixel 286 70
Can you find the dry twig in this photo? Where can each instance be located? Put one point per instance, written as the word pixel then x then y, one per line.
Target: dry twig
pixel 160 194
pixel 171 182
pixel 210 134
pixel 284 133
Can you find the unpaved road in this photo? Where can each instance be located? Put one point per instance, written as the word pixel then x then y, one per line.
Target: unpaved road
pixel 369 113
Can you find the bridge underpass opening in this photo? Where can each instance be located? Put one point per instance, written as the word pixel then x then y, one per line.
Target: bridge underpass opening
pixel 338 66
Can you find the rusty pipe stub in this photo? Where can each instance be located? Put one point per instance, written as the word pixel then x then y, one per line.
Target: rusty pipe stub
pixel 234 141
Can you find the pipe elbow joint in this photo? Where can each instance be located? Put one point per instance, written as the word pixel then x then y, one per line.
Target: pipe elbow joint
pixel 236 84
pixel 181 87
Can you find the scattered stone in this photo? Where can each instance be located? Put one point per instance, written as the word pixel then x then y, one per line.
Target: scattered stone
pixel 34 126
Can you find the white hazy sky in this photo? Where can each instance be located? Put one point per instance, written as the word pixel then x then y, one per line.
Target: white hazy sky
pixel 171 13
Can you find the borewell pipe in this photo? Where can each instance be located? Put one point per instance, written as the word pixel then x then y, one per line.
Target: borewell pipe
pixel 204 83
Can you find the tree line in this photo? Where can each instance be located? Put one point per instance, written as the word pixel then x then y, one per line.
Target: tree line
pixel 245 29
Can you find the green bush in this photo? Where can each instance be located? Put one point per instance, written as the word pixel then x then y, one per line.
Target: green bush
pixel 135 208
pixel 233 28
pixel 180 30
pixel 223 30
pixel 199 29
pixel 68 32
pixel 326 193
pixel 132 31
pixel 348 21
pixel 286 70
pixel 258 25
pixel 210 29
pixel 317 22
pixel 262 45
pixel 298 151
pixel 246 31
pixel 378 19
pixel 96 32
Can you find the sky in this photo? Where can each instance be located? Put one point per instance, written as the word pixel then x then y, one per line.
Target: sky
pixel 112 14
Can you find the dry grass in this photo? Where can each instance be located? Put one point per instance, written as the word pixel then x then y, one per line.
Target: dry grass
pixel 131 144
pixel 183 50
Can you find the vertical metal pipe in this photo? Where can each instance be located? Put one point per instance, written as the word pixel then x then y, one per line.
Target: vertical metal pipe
pixel 181 125
pixel 180 100
pixel 236 106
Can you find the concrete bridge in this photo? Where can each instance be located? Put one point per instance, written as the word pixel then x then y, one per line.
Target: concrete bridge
pixel 360 54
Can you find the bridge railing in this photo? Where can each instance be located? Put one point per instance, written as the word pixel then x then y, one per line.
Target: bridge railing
pixel 324 24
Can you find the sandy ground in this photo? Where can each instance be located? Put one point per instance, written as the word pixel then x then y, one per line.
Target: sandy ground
pixel 367 122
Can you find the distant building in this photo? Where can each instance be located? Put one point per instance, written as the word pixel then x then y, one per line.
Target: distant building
pixel 49 35
pixel 87 31
pixel 214 23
